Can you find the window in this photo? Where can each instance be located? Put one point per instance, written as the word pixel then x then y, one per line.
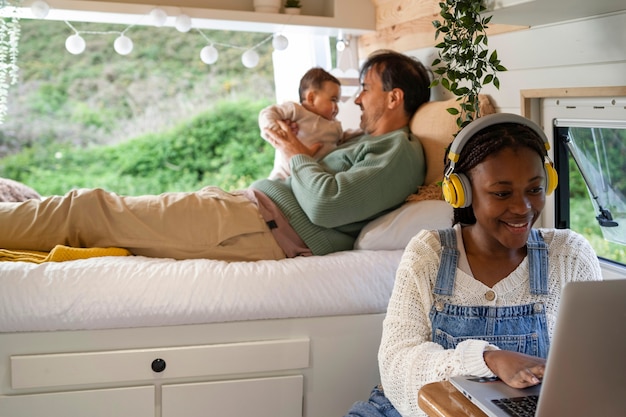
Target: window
pixel 590 157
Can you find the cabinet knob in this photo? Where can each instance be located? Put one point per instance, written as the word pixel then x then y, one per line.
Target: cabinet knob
pixel 158 365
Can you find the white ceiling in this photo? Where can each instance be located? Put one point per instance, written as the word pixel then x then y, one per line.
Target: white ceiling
pixel 541 12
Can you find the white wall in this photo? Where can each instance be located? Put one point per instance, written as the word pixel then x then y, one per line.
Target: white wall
pixel 588 52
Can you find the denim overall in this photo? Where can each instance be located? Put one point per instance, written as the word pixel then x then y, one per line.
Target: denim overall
pixel 519 328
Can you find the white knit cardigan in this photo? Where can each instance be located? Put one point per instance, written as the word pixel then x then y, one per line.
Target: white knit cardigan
pixel 408 359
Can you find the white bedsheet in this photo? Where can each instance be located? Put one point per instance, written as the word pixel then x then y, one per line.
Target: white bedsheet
pixel 118 292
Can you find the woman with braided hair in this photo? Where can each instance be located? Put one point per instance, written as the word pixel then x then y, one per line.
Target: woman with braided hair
pixel 480 298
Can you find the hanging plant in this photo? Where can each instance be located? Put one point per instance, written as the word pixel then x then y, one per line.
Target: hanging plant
pixel 464 64
pixel 9 70
pixel 293 3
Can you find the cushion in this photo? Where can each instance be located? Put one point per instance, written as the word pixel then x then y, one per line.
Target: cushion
pixel 13 191
pixel 395 229
pixel 435 128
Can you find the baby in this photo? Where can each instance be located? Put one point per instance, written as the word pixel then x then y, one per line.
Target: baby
pixel 315 116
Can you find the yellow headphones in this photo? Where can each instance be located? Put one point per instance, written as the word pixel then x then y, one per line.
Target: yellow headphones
pixel 457 190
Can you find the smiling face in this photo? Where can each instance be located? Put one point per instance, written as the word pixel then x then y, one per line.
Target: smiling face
pixel 373 102
pixel 508 195
pixel 325 101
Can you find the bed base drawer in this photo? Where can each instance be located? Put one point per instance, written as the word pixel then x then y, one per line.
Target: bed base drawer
pixel 123 366
pixel 135 401
pixel 260 397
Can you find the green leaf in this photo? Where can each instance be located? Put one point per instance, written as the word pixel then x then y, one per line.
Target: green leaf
pixel 452 110
pixel 493 57
pixel 464 63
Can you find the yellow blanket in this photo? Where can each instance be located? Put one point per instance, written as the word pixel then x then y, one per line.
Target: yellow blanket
pixel 60 253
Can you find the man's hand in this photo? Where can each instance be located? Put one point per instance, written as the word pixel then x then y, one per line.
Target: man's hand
pixel 286 141
pixel 515 369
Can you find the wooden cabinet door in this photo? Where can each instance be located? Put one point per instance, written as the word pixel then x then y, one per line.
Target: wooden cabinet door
pixel 118 402
pixel 258 397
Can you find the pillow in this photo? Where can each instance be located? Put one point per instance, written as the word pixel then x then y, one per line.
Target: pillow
pixel 395 229
pixel 435 128
pixel 13 191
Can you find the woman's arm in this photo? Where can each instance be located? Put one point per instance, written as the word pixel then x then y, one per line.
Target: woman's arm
pixel 407 357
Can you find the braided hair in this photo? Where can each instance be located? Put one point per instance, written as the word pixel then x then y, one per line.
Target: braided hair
pixel 489 141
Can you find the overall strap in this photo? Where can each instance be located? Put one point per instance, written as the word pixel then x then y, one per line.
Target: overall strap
pixel 447 263
pixel 537 263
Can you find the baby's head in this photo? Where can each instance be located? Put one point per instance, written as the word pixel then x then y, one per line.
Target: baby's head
pixel 319 93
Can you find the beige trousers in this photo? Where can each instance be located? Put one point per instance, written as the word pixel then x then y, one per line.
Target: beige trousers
pixel 210 223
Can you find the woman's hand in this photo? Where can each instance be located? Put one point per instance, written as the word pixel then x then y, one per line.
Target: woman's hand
pixel 286 141
pixel 515 369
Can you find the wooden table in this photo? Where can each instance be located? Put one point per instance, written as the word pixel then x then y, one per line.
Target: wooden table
pixel 441 399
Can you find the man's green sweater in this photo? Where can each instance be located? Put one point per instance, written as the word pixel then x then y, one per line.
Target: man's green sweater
pixel 328 202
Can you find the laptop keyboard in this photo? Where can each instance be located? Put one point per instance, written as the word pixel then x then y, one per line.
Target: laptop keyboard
pixel 519 406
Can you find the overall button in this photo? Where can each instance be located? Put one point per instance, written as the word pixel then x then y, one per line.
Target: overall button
pixel 538 307
pixel 439 306
pixel 490 295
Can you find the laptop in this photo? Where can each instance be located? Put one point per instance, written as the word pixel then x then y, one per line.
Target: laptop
pixel 586 367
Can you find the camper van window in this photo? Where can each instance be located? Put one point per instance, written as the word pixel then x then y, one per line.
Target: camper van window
pixel 590 158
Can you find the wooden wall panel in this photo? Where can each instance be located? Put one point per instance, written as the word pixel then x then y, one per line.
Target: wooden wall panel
pixel 403 25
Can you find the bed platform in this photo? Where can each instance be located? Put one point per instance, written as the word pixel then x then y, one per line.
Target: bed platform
pixel 135 336
pixel 144 337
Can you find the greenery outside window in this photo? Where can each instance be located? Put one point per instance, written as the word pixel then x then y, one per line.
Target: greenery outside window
pixel 591 197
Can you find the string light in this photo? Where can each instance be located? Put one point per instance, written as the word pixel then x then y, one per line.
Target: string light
pixel 75 44
pixel 183 23
pixel 250 58
pixel 209 55
pixel 158 17
pixel 39 9
pixel 280 42
pixel 123 45
pixel 341 44
pixel 342 41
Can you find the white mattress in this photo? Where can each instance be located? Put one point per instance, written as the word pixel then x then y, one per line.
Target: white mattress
pixel 118 292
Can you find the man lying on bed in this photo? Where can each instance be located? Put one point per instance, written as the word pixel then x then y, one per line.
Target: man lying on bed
pixel 318 210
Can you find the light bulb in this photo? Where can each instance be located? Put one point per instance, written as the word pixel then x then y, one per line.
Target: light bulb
pixel 75 44
pixel 209 55
pixel 158 17
pixel 250 58
pixel 183 23
pixel 123 45
pixel 280 42
pixel 39 9
pixel 341 45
